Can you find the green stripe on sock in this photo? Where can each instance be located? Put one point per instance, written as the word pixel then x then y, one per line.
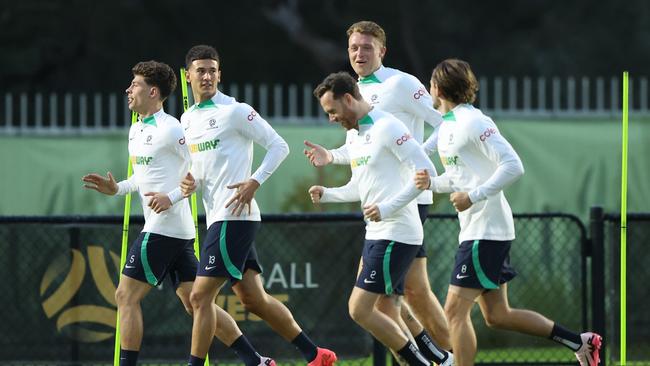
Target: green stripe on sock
pixel 387 280
pixel 151 278
pixel 483 279
pixel 234 272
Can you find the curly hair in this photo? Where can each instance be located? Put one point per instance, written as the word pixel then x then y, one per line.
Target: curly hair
pixel 157 74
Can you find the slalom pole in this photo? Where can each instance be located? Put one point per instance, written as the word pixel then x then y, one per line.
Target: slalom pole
pixel 623 263
pixel 125 244
pixel 195 214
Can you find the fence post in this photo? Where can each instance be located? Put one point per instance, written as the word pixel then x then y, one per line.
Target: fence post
pixel 378 353
pixel 75 243
pixel 597 233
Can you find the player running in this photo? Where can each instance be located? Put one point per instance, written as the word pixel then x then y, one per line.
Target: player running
pixel 479 163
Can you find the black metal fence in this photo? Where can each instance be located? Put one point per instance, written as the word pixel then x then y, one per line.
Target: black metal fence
pixel 60 274
pixel 606 229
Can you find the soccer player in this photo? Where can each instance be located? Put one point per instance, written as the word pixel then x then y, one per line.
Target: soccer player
pixel 479 163
pixel 220 133
pixel 382 156
pixel 160 159
pixel 403 96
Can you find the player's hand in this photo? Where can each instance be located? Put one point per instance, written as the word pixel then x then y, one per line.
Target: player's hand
pixel 317 155
pixel 105 185
pixel 243 196
pixel 422 179
pixel 188 185
pixel 460 200
pixel 159 202
pixel 371 213
pixel 316 192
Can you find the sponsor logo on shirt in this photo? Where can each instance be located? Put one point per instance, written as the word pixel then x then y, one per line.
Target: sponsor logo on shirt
pixel 487 133
pixel 141 160
pixel 148 141
pixel 373 99
pixel 449 160
pixel 405 137
pixel 213 124
pixel 354 163
pixel 204 146
pixel 419 94
pixel 181 141
pixel 251 116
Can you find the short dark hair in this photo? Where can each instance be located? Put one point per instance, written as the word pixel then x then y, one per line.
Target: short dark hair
pixel 455 81
pixel 339 83
pixel 201 52
pixel 157 74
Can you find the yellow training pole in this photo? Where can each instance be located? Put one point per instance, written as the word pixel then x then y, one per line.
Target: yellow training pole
pixel 623 284
pixel 195 216
pixel 125 244
pixel 195 212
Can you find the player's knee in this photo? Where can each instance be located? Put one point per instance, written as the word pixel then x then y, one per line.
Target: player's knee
pixel 495 318
pixel 188 310
pixel 122 297
pixel 253 302
pixel 355 314
pixel 197 300
pixel 185 300
pixel 358 314
pixel 453 313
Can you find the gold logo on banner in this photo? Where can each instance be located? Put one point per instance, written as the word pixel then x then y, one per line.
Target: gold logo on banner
pixel 62 281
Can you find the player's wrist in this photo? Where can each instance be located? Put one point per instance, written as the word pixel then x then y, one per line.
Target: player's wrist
pixel 330 157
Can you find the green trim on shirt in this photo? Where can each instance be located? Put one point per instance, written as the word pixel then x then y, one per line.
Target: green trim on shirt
pixel 366 120
pixel 370 79
pixel 206 104
pixel 149 120
pixel 449 116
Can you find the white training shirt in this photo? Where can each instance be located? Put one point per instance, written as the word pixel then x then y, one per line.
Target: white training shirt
pixel 403 96
pixel 383 156
pixel 160 160
pixel 220 133
pixel 478 160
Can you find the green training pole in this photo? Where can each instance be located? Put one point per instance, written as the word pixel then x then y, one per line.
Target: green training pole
pixel 195 212
pixel 624 223
pixel 125 244
pixel 195 215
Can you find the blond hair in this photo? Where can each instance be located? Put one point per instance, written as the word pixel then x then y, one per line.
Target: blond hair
pixel 370 28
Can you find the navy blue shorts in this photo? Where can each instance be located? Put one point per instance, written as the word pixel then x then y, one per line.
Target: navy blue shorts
pixel 153 256
pixel 482 264
pixel 229 250
pixel 423 211
pixel 384 266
